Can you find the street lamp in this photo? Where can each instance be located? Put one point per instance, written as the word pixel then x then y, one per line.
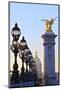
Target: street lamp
pixel 27 54
pixel 22 46
pixel 16 32
pixel 15 49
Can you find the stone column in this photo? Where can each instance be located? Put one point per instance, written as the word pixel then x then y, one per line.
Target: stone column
pixel 49 56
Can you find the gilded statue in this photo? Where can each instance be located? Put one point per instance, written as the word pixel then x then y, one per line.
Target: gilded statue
pixel 48 24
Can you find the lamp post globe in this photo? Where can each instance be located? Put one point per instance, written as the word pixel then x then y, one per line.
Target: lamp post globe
pixel 23 44
pixel 16 32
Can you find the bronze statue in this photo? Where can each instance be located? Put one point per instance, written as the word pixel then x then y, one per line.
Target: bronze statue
pixel 48 24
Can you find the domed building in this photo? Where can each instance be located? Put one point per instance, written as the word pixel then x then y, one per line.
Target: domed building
pixel 38 65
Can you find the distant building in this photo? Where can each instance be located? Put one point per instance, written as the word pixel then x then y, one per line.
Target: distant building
pixel 38 65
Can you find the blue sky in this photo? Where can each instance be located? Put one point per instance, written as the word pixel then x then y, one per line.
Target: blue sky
pixel 28 17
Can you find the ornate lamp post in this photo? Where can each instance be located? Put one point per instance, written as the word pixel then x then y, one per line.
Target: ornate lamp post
pixel 14 48
pixel 27 54
pixel 23 45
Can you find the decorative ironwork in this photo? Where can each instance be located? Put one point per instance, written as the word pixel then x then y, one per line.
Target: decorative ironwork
pixel 26 75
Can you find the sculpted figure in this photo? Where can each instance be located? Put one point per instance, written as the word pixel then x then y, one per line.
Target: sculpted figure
pixel 48 24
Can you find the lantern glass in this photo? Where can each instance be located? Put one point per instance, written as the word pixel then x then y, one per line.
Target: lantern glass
pixel 14 43
pixel 23 44
pixel 26 50
pixel 30 55
pixel 16 32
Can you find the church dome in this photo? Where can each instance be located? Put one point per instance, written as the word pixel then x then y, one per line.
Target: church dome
pixel 38 65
